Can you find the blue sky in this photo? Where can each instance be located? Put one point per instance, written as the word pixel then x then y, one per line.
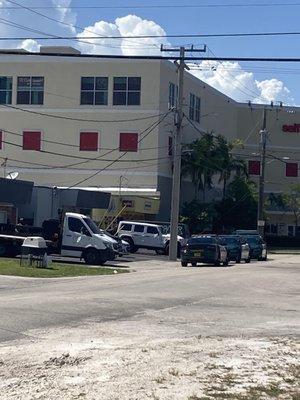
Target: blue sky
pixel 255 81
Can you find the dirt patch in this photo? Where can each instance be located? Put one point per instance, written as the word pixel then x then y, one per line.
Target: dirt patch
pixel 135 360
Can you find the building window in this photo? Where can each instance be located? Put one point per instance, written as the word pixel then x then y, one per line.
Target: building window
pixel 198 109
pixel 291 170
pixel 94 91
pixel 173 95
pixel 128 141
pixel 170 146
pixel 88 141
pixel 1 140
pixel 32 141
pixel 5 90
pixel 195 108
pixel 254 167
pixel 127 91
pixel 30 90
pixel 192 106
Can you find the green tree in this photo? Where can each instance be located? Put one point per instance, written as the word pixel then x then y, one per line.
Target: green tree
pixel 228 163
pixel 292 201
pixel 198 216
pixel 239 208
pixel 209 156
pixel 199 163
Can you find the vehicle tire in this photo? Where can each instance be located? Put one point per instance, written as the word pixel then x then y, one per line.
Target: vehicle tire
pixel 92 257
pixel 184 263
pixel 160 252
pixel 132 247
pixel 217 263
pixel 248 260
pixel 226 262
pixel 167 249
pixel 194 264
pixel 3 250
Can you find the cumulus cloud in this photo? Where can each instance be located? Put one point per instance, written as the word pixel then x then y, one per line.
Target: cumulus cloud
pixel 30 45
pixel 231 79
pixel 130 25
pixel 227 77
pixel 65 13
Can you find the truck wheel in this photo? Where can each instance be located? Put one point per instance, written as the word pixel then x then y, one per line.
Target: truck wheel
pixel 91 257
pixel 2 250
pixel 184 263
pixel 248 260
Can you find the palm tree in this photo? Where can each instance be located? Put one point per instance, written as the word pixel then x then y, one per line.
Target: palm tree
pixel 198 162
pixel 228 163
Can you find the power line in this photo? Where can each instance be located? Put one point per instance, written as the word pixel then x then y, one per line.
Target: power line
pixel 113 162
pixel 73 26
pixel 80 119
pixel 87 159
pixel 159 6
pixel 178 36
pixel 150 57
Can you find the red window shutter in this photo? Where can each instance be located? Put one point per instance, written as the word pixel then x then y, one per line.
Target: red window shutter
pixel 128 141
pixel 1 139
pixel 291 169
pixel 32 140
pixel 88 141
pixel 254 167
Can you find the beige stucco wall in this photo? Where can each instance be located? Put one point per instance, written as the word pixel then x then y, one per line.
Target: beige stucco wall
pixel 62 98
pixel 280 144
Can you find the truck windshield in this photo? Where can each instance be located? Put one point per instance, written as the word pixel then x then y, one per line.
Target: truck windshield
pixel 91 224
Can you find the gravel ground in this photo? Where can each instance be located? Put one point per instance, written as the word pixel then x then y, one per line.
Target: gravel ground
pixel 137 360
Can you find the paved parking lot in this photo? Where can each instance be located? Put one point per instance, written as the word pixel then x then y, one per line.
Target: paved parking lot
pixel 256 299
pixel 161 332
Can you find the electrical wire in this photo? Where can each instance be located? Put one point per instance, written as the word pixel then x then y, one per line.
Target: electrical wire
pixel 151 57
pixel 86 159
pixel 178 36
pixel 42 114
pixel 113 162
pixel 159 6
pixel 73 26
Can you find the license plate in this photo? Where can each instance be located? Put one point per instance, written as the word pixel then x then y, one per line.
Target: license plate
pixel 198 254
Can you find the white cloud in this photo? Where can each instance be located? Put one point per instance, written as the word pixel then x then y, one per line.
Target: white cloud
pixel 230 79
pixel 130 25
pixel 66 15
pixel 30 45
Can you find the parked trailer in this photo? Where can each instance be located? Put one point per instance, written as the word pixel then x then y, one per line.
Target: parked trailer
pixel 78 237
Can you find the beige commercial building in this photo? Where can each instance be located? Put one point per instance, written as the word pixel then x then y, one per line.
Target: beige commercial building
pixel 70 120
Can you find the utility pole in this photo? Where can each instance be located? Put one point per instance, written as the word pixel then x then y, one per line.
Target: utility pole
pixel 263 143
pixel 175 201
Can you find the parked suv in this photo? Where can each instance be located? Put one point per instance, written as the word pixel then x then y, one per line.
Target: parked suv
pixel 146 236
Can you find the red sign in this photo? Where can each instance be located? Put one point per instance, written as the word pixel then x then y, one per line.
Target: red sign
pixel 291 128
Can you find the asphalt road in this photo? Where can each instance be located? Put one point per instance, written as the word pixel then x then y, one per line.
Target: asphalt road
pixel 257 299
